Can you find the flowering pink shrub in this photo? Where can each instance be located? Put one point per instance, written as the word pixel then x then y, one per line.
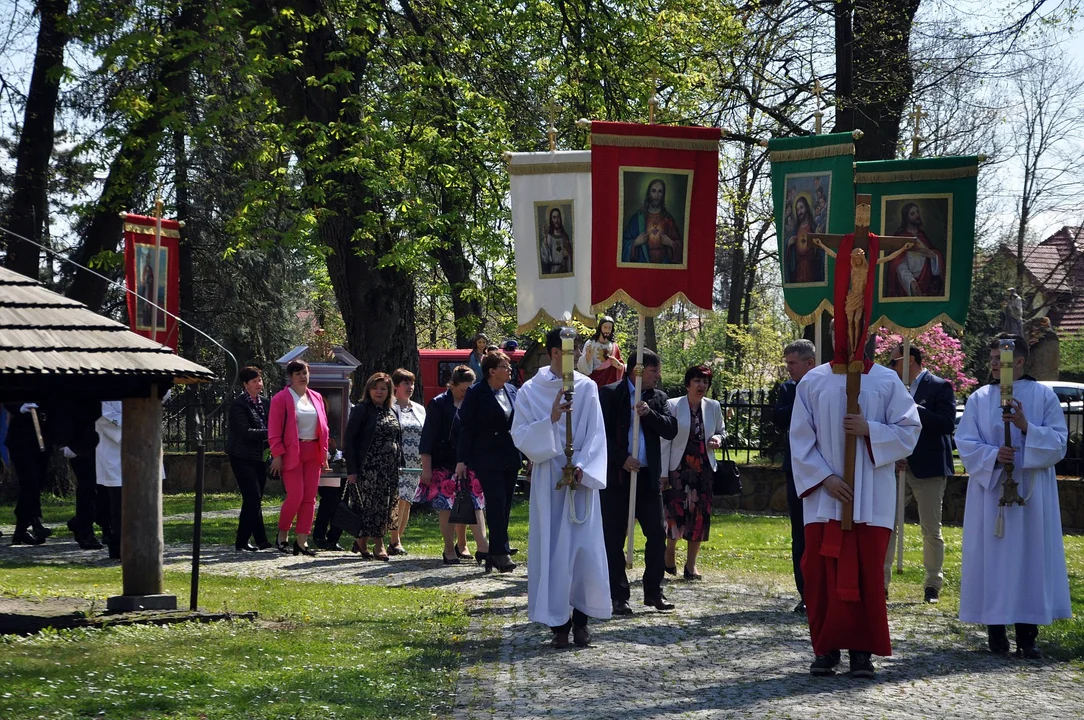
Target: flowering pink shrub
pixel 942 355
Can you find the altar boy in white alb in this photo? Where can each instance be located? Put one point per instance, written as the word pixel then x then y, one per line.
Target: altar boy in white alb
pixel 566 568
pixel 1018 575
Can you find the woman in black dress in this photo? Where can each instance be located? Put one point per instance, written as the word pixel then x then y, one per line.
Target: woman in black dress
pixel 373 450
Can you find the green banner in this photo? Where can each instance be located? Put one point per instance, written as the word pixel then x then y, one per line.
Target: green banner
pixel 932 200
pixel 813 192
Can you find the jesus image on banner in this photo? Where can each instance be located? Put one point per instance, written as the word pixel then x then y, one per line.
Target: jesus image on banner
pixel 145 273
pixel 653 235
pixel 922 272
pixel 805 211
pixel 553 222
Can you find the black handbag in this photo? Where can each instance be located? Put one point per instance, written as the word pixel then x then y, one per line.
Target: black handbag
pixel 463 507
pixel 345 518
pixel 727 480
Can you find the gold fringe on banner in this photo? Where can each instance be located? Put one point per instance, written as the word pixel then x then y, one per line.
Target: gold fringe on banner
pixel 623 297
pixel 549 169
pixel 883 321
pixel 149 230
pixel 812 153
pixel 543 317
pixel 825 306
pixel 915 175
pixel 654 142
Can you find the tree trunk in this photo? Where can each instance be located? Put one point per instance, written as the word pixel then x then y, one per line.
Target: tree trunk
pixel 466 309
pixel 29 200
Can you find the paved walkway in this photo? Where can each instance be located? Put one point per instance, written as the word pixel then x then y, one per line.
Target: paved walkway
pixel 730 650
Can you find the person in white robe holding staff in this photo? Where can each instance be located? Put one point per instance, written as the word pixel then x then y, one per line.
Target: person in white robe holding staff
pixel 1014 555
pixel 566 567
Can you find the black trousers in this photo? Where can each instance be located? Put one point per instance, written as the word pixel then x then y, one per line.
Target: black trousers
pixel 498 486
pixel 102 511
pixel 322 529
pixel 251 479
pixel 115 514
pixel 86 494
pixel 579 619
pixel 29 463
pixel 615 514
pixel 797 532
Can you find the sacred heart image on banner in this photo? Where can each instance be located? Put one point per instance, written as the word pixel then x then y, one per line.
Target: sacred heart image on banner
pixel 554 228
pixel 153 276
pixel 654 197
pixel 805 211
pixel 654 212
pixel 920 274
pixel 146 270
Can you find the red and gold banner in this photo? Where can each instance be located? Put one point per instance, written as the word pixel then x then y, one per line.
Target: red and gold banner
pixel 654 198
pixel 156 279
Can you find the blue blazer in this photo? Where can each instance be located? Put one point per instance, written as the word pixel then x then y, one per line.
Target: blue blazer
pixel 485 440
pixel 937 410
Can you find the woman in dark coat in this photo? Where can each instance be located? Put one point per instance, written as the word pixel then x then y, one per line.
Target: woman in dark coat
pixel 246 446
pixel 485 447
pixel 374 454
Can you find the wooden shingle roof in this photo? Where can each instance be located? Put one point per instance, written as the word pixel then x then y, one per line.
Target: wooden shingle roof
pixel 44 334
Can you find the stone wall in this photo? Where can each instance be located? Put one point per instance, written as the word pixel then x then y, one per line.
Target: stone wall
pixel 217 475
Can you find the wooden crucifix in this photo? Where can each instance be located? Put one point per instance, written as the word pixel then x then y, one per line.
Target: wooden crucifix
pixel 859 293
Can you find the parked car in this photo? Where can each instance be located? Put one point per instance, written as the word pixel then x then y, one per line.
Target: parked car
pixel 1071 395
pixel 437 366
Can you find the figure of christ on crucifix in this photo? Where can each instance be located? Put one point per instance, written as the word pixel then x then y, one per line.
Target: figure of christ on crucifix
pixel 856 295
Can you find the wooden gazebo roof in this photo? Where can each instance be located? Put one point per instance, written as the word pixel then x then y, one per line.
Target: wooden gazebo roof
pixel 52 344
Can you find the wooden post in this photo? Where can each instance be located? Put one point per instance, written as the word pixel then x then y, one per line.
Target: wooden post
pixel 141 507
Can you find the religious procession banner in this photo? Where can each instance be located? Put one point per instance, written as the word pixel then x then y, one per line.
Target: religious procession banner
pixel 551 223
pixel 812 192
pixel 654 194
pixel 932 200
pixel 154 278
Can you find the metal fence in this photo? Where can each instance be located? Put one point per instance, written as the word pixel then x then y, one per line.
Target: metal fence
pixel 751 434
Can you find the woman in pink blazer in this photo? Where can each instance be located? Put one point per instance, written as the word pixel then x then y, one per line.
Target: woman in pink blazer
pixel 298 435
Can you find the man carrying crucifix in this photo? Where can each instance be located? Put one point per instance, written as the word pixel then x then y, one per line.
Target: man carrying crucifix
pixel 847 524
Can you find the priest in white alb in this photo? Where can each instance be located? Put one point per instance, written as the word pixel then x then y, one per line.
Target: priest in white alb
pixel 1013 556
pixel 566 566
pixel 844 570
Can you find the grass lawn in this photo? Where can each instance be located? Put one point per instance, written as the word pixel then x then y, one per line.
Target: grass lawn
pixel 322 650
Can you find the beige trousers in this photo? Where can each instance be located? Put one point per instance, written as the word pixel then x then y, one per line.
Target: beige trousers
pixel 928 494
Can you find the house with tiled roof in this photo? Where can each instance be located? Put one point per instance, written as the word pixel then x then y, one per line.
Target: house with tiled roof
pixel 1055 268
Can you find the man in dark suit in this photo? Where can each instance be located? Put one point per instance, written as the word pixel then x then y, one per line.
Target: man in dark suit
pixel 655 422
pixel 800 356
pixel 29 461
pixel 924 473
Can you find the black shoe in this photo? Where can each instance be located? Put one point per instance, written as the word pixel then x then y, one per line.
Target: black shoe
pixel 799 609
pixel 658 602
pixel 283 547
pixel 669 570
pixel 997 639
pixel 511 551
pixel 40 530
pixel 25 537
pixel 931 595
pixel 329 545
pixel 264 545
pixel 478 555
pixel 560 637
pixel 396 549
pixel 689 574
pixel 303 550
pixel 500 563
pixel 72 526
pixel 580 636
pixel 463 554
pixel 1029 653
pixel 89 542
pixel 861 664
pixel 453 560
pixel 621 607
pixel 247 547
pixel 825 664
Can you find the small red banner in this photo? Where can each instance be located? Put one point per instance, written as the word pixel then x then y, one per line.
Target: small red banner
pixel 155 279
pixel 654 198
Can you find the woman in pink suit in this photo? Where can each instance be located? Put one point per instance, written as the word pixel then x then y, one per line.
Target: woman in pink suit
pixel 298 435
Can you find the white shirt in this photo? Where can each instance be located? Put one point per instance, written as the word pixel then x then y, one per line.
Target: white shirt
pixel 307 419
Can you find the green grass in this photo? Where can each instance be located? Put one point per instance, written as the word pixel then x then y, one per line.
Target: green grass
pixel 317 651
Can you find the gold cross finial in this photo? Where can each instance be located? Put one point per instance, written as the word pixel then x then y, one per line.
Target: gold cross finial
pixel 551 132
pixel 818 115
pixel 652 101
pixel 917 116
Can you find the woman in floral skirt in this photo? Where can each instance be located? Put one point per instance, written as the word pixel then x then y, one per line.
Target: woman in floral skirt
pixel 438 482
pixel 689 468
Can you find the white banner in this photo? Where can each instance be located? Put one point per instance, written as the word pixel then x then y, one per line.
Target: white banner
pixel 551 223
